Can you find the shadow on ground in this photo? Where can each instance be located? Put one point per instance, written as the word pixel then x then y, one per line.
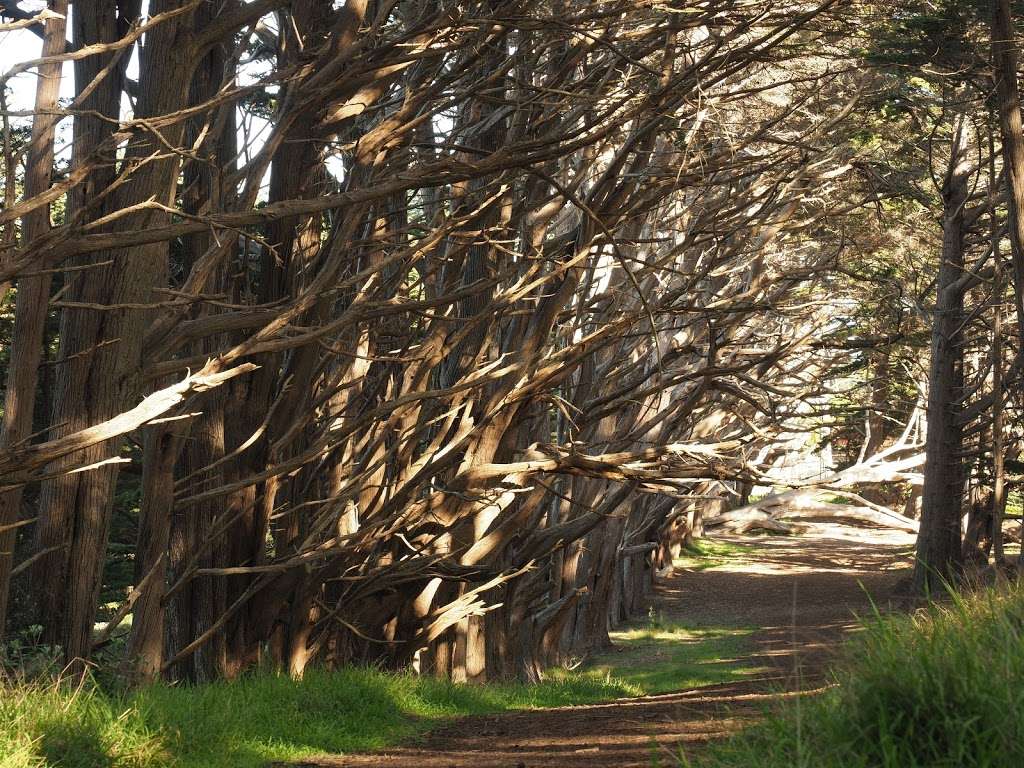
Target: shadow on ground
pixel 787 601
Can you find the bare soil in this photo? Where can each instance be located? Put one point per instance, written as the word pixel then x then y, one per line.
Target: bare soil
pixel 803 593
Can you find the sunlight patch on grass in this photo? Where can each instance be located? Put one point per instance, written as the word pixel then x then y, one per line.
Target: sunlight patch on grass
pixel 660 656
pixel 708 553
pixel 267 718
pixel 255 720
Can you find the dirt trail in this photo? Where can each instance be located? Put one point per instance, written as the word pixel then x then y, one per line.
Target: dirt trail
pixel 801 591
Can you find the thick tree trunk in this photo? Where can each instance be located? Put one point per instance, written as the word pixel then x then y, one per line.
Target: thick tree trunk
pixel 195 536
pixel 977 543
pixel 94 23
pixel 33 292
pixel 202 600
pixel 938 541
pixel 102 349
pixel 998 443
pixel 146 644
pixel 1004 61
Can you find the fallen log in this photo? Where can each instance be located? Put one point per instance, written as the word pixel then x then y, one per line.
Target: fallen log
pixel 766 523
pixel 805 503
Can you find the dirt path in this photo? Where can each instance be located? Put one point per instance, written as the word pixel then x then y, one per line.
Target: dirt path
pixel 802 592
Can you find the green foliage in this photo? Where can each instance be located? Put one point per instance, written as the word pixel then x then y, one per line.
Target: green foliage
pixel 946 34
pixel 24 654
pixel 943 688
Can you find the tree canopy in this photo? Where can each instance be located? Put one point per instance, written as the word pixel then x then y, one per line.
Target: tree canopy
pixel 422 334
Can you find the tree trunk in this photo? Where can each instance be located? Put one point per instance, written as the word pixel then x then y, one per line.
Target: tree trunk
pixel 33 292
pixel 102 349
pixel 1004 62
pixel 146 643
pixel 938 540
pixel 94 23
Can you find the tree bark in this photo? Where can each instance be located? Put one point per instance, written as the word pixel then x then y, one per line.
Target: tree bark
pixel 102 350
pixel 1004 61
pixel 160 453
pixel 938 541
pixel 33 292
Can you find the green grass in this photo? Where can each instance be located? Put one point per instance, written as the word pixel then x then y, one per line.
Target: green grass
pixel 943 688
pixel 52 725
pixel 668 656
pixel 262 718
pixel 711 553
pixel 254 720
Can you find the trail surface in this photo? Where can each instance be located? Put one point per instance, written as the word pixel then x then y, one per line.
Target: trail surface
pixel 802 593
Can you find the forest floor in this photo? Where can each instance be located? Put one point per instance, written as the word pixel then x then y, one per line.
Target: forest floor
pixel 793 599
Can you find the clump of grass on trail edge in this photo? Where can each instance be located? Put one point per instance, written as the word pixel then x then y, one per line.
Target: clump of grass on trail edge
pixel 942 688
pixel 53 724
pixel 254 720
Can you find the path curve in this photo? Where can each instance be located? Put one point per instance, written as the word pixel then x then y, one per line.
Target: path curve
pixel 804 593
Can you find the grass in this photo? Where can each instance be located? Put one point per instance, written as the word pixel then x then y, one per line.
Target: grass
pixel 52 725
pixel 254 720
pixel 942 688
pixel 668 656
pixel 263 718
pixel 711 553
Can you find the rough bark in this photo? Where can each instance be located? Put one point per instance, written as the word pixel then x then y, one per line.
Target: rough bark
pixel 938 542
pixel 1004 60
pixel 33 292
pixel 103 349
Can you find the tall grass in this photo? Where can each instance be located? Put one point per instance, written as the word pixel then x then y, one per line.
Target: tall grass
pixel 54 724
pixel 942 688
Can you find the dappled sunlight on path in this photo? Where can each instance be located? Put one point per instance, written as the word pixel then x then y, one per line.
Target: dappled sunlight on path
pixel 789 600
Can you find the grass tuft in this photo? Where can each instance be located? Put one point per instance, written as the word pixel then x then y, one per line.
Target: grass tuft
pixel 53 724
pixel 942 688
